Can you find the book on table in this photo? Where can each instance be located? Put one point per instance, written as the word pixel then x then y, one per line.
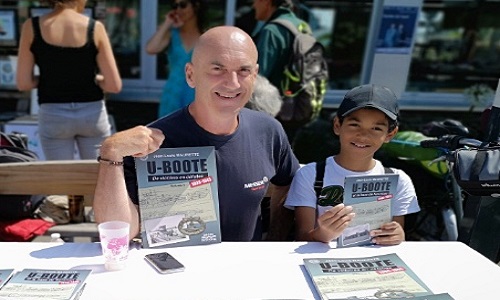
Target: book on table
pixel 178 197
pixel 371 197
pixel 5 275
pixel 45 284
pixel 375 277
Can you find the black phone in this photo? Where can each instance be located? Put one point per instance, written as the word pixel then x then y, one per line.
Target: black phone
pixel 164 263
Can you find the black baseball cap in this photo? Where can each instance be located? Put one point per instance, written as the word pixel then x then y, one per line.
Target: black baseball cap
pixel 370 95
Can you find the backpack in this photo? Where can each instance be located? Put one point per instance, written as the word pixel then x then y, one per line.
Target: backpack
pixel 305 77
pixel 320 174
pixel 14 139
pixel 13 148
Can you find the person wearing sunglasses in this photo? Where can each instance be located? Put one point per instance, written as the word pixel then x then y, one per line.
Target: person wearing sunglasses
pixel 178 33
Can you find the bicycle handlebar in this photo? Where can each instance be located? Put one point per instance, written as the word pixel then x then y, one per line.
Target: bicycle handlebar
pixel 450 142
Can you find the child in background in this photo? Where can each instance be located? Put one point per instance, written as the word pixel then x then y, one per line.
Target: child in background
pixel 366 118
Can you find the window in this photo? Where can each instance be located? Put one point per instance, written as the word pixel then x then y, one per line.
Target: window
pixel 341 26
pixel 9 29
pixel 123 25
pixel 457 46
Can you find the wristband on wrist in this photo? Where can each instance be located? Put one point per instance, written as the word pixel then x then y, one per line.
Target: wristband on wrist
pixel 109 161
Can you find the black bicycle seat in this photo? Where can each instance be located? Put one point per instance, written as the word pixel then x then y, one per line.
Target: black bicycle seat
pixel 447 126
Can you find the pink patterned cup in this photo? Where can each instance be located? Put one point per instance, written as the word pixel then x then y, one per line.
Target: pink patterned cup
pixel 114 237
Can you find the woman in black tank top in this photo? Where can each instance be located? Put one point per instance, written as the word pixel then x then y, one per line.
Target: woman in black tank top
pixel 76 67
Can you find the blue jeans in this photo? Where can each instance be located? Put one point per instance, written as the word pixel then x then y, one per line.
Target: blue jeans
pixel 61 126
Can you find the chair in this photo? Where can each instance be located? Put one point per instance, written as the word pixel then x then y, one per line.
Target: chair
pixel 60 177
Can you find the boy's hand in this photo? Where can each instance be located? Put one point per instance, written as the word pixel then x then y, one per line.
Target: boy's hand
pixel 332 223
pixel 389 234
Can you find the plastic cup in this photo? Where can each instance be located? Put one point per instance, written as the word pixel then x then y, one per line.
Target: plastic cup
pixel 114 237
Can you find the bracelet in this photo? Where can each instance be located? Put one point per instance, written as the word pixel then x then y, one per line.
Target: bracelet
pixel 109 161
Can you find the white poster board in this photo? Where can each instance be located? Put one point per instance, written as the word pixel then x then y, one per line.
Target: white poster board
pixel 394 44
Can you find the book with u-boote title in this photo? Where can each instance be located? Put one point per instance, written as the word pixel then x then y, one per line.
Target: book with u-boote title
pixel 371 197
pixel 45 284
pixel 5 275
pixel 178 197
pixel 375 277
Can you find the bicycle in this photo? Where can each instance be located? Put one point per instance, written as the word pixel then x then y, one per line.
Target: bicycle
pixel 474 229
pixel 437 192
pixel 447 144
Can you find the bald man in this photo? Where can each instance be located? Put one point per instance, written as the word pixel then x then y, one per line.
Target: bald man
pixel 251 147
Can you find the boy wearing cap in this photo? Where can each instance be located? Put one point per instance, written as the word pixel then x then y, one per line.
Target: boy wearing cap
pixel 366 118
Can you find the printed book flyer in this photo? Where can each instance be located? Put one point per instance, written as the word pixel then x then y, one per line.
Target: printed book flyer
pixel 45 284
pixel 376 277
pixel 371 199
pixel 178 197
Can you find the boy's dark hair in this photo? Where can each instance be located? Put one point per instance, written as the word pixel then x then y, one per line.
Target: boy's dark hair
pixel 371 96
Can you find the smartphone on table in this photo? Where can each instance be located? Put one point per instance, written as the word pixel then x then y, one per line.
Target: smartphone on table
pixel 164 263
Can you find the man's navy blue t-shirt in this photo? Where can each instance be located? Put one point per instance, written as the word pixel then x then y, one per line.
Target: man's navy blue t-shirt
pixel 257 153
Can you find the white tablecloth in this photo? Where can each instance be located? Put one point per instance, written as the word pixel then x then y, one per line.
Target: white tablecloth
pixel 257 270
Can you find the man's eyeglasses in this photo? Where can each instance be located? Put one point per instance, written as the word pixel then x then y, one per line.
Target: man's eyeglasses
pixel 181 4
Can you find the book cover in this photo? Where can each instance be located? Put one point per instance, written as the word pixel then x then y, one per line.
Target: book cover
pixel 178 197
pixel 45 284
pixel 5 275
pixel 375 277
pixel 371 197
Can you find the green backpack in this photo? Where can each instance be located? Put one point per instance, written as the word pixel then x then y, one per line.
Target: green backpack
pixel 303 86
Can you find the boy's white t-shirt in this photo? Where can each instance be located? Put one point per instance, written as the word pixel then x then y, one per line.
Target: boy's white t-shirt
pixel 302 191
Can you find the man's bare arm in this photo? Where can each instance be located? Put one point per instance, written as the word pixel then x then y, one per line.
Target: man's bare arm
pixel 111 199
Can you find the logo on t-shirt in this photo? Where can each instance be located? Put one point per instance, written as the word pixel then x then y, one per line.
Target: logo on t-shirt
pixel 256 185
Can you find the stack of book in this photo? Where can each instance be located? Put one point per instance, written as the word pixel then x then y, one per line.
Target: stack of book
pixel 375 277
